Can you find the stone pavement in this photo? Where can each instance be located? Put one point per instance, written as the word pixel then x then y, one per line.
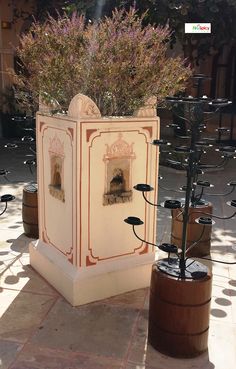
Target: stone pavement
pixel 40 330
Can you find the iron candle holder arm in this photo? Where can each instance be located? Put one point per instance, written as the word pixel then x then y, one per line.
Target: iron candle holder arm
pixel 176 164
pixel 31 163
pixel 4 173
pixel 140 239
pixel 4 209
pixel 143 187
pixel 195 243
pixel 217 261
pixel 11 145
pixel 231 184
pixel 5 199
pixel 26 139
pixel 230 203
pixel 198 198
pixel 210 221
pixel 214 166
pixel 149 202
pixel 135 221
pixel 205 221
pixel 29 140
pixel 166 247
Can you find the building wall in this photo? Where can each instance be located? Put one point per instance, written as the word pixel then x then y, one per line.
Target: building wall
pixel 9 36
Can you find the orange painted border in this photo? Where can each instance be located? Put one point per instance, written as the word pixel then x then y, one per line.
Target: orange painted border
pixel 90 256
pixel 69 254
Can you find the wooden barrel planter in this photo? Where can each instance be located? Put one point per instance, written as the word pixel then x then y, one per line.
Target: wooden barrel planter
pixel 30 211
pixel 179 313
pixel 194 230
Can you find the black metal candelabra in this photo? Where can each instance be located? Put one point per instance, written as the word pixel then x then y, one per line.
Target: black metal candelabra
pixel 31 163
pixel 6 197
pixel 198 110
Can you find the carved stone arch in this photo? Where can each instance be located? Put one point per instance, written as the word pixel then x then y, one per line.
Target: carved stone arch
pixel 81 106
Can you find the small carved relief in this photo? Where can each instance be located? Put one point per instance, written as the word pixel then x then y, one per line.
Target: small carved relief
pixel 118 160
pixel 81 106
pixel 56 154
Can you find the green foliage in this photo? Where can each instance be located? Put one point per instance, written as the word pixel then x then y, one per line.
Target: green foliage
pixel 116 61
pixel 38 9
pixel 220 13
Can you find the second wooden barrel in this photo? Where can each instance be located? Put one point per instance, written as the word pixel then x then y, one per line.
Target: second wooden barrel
pixel 30 210
pixel 179 313
pixel 194 230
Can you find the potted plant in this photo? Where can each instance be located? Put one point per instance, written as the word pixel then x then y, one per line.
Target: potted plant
pixel 87 153
pixel 117 62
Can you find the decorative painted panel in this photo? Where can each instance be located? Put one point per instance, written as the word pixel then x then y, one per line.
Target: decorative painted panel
pixel 118 161
pixel 56 155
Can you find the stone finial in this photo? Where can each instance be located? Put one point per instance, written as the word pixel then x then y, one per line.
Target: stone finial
pixel 149 108
pixel 81 106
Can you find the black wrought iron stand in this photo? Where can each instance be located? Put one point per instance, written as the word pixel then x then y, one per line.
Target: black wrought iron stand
pixel 180 291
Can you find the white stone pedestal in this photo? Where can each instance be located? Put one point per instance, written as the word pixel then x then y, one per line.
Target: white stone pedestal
pixel 87 167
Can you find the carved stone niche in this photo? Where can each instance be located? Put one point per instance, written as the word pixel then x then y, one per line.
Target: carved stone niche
pixel 118 182
pixel 56 154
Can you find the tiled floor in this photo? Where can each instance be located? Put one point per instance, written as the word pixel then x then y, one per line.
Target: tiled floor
pixel 40 330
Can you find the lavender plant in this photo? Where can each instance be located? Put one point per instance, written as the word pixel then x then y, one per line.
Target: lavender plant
pixel 117 62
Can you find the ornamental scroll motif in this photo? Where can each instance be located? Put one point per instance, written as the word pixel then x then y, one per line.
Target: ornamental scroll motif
pixel 118 182
pixel 56 154
pixel 81 106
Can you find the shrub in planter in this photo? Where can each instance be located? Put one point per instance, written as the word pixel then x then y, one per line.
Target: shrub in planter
pixel 117 62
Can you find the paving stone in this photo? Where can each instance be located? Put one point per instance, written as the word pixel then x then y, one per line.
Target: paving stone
pixel 221 335
pixel 8 352
pixel 143 356
pixel 221 304
pixel 111 334
pixel 21 313
pixel 19 275
pixel 33 357
pixel 134 299
pixel 222 338
pixel 94 328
